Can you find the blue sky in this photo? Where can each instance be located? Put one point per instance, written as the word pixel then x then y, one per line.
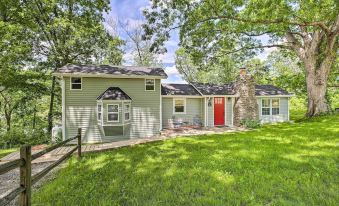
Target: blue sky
pixel 131 11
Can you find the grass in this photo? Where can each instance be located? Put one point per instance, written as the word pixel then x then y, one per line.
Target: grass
pixel 4 152
pixel 283 164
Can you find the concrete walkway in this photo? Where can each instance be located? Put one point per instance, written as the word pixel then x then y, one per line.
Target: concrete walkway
pixel 166 134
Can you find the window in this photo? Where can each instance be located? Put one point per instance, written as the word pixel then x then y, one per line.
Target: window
pixel 275 106
pixel 99 112
pixel 149 84
pixel 112 113
pixel 179 105
pixel 265 107
pixel 76 83
pixel 127 112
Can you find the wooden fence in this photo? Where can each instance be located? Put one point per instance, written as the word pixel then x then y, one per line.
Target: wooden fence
pixel 25 164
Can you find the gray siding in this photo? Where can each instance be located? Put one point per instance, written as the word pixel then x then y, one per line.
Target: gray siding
pixel 283 111
pixel 81 108
pixel 229 111
pixel 193 109
pixel 210 114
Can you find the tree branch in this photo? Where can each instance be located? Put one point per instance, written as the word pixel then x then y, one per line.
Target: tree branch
pixel 258 47
pixel 319 24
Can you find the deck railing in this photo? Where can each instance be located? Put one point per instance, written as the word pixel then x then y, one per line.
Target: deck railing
pixel 25 165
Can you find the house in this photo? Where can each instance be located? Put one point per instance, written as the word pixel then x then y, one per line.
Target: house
pixel 113 103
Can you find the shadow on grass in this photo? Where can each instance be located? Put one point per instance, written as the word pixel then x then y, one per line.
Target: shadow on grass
pixel 285 164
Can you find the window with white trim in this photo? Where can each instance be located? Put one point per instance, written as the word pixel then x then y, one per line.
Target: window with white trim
pixel 265 107
pixel 76 83
pixel 99 108
pixel 275 106
pixel 113 113
pixel 179 106
pixel 127 112
pixel 149 84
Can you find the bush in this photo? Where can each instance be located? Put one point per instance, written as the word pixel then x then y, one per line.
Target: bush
pixel 16 138
pixel 250 123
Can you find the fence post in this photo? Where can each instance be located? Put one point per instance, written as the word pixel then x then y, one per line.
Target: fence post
pixel 79 143
pixel 25 176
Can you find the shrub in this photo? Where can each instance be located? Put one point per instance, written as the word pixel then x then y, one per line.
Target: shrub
pixel 17 137
pixel 250 123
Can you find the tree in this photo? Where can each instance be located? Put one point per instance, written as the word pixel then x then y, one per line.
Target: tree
pixel 286 71
pixel 221 70
pixel 70 32
pixel 139 47
pixel 308 28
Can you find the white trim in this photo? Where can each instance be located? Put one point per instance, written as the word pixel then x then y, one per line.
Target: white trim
pixel 122 76
pixel 99 119
pixel 117 100
pixel 274 96
pixel 206 111
pixel 181 96
pixel 288 109
pixel 115 125
pixel 232 104
pixel 275 107
pixel 102 116
pixel 129 111
pixel 269 107
pixel 184 106
pixel 153 84
pixel 160 108
pixel 196 89
pixel 70 84
pixel 221 95
pixel 225 111
pixel 113 113
pixel 213 110
pixel 63 108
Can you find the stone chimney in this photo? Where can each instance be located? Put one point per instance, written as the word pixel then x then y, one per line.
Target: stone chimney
pixel 245 106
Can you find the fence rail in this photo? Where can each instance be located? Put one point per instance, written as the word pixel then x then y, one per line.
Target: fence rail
pixel 25 165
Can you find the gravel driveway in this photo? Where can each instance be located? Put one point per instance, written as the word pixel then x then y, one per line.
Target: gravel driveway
pixel 10 180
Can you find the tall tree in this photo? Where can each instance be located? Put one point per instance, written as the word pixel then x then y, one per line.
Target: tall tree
pixel 70 32
pixel 221 70
pixel 308 28
pixel 138 47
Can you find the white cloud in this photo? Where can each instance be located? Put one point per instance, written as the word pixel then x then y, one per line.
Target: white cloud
pixel 173 76
pixel 171 70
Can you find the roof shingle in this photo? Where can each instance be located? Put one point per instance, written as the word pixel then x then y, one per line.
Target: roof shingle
pixel 178 89
pixel 111 70
pixel 114 93
pixel 214 89
pixel 268 90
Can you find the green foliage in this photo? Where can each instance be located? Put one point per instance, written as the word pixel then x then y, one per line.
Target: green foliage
pixel 37 37
pixel 4 152
pixel 19 137
pixel 282 164
pixel 221 70
pixel 250 123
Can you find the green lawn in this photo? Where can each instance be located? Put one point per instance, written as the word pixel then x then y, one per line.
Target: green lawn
pixel 4 152
pixel 284 164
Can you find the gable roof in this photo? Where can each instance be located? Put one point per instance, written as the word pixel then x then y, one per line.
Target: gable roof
pixel 214 89
pixel 199 89
pixel 269 90
pixel 97 70
pixel 178 89
pixel 113 93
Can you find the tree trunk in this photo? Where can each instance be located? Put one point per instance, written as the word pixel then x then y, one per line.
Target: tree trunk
pixel 316 80
pixel 8 121
pixel 51 105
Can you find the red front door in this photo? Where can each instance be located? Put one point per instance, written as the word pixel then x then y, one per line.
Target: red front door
pixel 219 111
